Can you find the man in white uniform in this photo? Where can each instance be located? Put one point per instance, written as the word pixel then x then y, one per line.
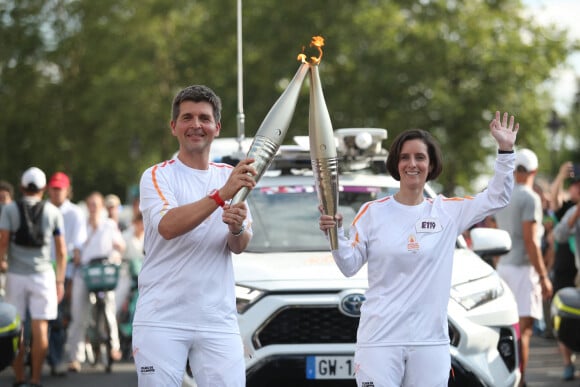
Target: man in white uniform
pixel 186 308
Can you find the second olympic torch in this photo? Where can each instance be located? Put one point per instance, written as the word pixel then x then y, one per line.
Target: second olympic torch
pixel 323 151
pixel 272 131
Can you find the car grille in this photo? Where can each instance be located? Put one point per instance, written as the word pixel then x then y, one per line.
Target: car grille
pixel 306 325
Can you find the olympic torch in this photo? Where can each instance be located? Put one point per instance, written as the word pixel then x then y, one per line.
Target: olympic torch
pixel 272 131
pixel 323 147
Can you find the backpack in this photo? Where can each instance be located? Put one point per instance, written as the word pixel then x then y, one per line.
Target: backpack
pixel 30 232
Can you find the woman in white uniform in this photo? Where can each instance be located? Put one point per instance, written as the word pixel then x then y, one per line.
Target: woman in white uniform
pixel 407 241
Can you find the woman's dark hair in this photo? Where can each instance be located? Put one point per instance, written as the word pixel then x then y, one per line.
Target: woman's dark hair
pixel 435 158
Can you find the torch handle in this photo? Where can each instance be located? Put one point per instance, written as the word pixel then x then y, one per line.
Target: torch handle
pixel 333 236
pixel 326 177
pixel 262 151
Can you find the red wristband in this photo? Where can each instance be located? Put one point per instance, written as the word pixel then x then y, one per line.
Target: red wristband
pixel 215 195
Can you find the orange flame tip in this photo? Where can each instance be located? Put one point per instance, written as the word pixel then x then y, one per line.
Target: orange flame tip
pixel 318 42
pixel 301 58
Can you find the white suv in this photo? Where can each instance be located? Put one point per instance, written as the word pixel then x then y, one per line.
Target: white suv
pixel 298 314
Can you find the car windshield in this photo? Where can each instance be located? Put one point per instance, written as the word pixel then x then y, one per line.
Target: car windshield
pixel 285 218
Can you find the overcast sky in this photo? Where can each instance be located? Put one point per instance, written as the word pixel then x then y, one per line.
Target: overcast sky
pixel 565 13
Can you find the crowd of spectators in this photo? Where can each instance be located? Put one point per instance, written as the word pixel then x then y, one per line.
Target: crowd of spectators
pixel 49 292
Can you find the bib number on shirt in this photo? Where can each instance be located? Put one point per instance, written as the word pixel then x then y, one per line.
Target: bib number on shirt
pixel 428 225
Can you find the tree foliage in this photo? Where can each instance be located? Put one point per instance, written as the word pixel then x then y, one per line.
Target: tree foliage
pixel 86 86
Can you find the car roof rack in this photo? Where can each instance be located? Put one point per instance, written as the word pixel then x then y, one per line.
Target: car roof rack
pixel 358 149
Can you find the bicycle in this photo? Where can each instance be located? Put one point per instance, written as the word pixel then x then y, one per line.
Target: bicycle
pixel 100 277
pixel 129 304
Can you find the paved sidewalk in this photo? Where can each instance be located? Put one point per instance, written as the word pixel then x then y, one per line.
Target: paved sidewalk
pixel 545 365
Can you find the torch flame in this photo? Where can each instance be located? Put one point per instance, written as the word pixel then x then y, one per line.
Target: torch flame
pixel 318 42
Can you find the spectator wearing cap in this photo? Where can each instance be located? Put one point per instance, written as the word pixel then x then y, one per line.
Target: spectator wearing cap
pixel 566 235
pixel 523 268
pixel 75 231
pixel 28 226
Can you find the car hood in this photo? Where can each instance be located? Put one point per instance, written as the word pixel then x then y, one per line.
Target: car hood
pixel 468 266
pixel 296 270
pixel 317 270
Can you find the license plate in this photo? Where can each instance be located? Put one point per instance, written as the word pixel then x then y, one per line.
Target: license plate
pixel 329 367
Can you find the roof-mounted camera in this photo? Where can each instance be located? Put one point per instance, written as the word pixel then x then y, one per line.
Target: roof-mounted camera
pixel 361 148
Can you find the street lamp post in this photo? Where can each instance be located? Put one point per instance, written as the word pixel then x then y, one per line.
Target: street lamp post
pixel 241 115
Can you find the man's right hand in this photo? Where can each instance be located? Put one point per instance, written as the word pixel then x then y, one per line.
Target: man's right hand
pixel 242 176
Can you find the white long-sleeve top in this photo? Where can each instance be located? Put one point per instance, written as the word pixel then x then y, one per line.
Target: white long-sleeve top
pixel 186 282
pixel 409 251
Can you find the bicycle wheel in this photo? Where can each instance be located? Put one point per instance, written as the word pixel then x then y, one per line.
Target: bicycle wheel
pixel 92 335
pixel 104 342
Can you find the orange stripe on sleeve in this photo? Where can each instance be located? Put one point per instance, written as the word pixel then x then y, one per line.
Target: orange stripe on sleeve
pixel 221 165
pixel 458 199
pixel 156 185
pixel 361 213
pixel 366 207
pixel 356 240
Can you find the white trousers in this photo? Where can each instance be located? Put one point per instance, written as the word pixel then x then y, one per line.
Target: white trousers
pixel 81 314
pixel 216 359
pixel 403 366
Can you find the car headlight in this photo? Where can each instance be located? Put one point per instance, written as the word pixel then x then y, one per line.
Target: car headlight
pixel 246 296
pixel 478 292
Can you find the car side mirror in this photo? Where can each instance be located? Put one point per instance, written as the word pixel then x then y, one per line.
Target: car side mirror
pixel 490 242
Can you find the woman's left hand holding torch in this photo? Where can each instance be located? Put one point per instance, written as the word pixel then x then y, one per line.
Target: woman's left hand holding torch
pixel 327 222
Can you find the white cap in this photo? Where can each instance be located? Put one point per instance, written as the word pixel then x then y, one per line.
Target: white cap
pixel 33 176
pixel 527 159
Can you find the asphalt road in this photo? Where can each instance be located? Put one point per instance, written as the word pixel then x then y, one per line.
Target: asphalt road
pixel 544 370
pixel 122 375
pixel 545 365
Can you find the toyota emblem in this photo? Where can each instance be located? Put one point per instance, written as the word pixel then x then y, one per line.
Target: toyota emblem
pixel 351 303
